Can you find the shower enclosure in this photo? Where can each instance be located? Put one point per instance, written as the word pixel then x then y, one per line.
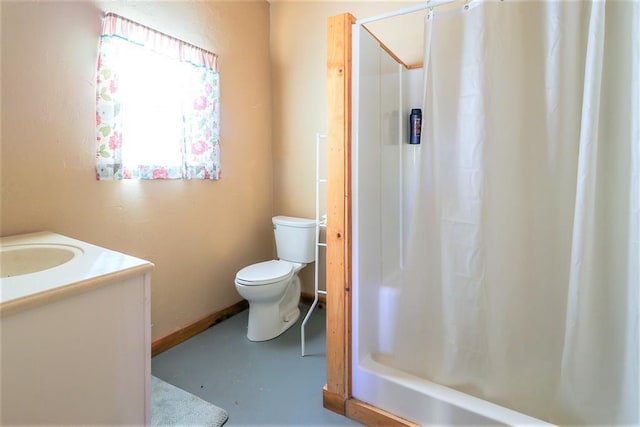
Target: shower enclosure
pixel 378 289
pixel 385 173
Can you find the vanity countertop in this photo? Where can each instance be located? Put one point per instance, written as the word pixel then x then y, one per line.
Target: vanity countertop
pixel 90 266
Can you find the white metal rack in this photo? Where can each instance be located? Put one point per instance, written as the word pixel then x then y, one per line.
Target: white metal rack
pixel 321 222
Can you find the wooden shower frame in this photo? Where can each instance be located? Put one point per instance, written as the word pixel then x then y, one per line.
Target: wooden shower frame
pixel 337 395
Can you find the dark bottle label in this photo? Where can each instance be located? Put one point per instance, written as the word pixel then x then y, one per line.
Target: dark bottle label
pixel 415 126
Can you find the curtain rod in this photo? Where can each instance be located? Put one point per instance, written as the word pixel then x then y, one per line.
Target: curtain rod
pixel 427 5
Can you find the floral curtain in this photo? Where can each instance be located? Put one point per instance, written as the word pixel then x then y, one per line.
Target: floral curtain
pixel 157 106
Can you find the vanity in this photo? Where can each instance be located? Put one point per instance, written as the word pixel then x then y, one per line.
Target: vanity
pixel 75 333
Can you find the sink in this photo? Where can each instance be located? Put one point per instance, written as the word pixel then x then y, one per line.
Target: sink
pixel 16 260
pixel 87 307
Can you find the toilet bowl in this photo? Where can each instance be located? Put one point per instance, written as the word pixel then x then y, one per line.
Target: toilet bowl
pixel 273 291
pixel 272 288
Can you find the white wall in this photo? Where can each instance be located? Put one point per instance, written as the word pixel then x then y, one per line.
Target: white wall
pixel 385 172
pixel 412 97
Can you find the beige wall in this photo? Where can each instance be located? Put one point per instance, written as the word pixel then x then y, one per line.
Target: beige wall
pixel 298 60
pixel 197 233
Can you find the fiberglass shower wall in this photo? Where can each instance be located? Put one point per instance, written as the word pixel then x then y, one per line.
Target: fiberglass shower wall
pixel 385 169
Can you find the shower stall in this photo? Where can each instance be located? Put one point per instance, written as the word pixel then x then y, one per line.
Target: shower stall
pixel 467 256
pixel 385 172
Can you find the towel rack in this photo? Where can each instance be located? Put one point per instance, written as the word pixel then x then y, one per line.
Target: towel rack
pixel 321 222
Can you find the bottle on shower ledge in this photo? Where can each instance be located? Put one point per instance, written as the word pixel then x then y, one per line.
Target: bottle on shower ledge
pixel 415 125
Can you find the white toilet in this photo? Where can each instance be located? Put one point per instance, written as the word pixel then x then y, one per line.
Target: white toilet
pixel 273 287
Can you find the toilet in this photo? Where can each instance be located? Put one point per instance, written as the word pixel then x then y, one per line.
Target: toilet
pixel 273 287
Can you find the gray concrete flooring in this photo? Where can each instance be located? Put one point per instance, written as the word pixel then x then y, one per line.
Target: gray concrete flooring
pixel 257 383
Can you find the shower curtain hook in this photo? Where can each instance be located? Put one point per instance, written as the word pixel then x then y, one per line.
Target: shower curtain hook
pixel 466 5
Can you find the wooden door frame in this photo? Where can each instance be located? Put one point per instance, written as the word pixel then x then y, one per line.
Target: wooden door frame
pixel 338 388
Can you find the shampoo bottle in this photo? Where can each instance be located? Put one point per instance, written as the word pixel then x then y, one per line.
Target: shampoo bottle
pixel 415 126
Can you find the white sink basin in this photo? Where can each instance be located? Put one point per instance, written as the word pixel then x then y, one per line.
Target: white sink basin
pixel 16 260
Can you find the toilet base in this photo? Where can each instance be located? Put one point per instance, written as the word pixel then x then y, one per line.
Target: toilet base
pixel 264 325
pixel 268 320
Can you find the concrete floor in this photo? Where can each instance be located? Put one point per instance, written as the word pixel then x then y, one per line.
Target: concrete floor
pixel 257 383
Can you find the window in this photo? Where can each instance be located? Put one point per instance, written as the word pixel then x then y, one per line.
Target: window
pixel 157 106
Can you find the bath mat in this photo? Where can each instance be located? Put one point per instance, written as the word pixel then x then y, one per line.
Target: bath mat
pixel 172 406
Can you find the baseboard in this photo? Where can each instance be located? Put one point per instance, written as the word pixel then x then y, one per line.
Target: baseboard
pixel 372 416
pixel 308 299
pixel 333 401
pixel 183 334
pixel 362 412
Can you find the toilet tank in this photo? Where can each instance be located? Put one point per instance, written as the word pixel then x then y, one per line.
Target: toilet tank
pixel 295 238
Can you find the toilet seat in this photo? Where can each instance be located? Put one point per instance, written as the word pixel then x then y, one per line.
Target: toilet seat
pixel 264 273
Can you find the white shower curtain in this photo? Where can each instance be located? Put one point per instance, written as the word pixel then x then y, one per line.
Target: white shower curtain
pixel 522 274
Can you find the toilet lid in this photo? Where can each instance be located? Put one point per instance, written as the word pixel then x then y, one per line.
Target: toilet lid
pixel 264 272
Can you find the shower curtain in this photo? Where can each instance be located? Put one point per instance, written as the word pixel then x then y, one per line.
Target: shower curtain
pixel 522 274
